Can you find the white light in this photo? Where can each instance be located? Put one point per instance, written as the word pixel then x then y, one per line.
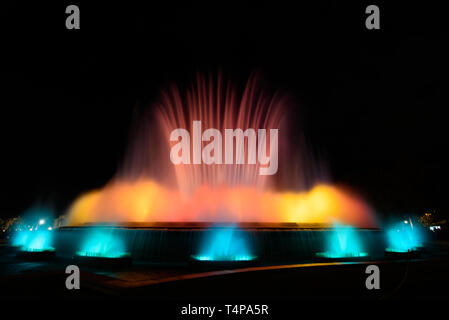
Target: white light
pixel 433 228
pixel 405 221
pixel 49 228
pixel 41 221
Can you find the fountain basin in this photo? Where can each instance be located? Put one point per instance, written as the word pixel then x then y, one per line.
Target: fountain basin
pixel 177 243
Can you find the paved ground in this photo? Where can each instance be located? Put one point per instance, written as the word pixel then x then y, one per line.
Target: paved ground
pixel 424 278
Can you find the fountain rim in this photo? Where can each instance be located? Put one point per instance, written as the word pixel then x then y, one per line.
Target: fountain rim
pixel 246 226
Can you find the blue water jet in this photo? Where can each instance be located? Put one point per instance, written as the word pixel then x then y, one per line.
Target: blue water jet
pixel 343 242
pixel 102 243
pixel 404 237
pixel 224 244
pixel 37 240
pixel 19 238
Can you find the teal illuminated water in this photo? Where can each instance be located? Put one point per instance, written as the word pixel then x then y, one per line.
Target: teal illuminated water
pixel 404 237
pixel 102 243
pixel 224 244
pixel 343 242
pixel 37 240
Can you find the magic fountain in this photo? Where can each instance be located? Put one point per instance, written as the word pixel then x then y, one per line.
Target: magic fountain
pixel 165 210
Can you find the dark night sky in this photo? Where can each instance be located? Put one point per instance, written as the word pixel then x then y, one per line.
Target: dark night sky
pixel 372 102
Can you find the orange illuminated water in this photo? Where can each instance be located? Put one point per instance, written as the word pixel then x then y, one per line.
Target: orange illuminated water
pixel 150 188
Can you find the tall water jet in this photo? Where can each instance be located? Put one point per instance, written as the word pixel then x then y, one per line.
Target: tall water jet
pixel 151 188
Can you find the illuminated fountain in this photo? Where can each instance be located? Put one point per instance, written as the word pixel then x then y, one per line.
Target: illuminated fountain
pixel 153 202
pixel 34 245
pixel 343 242
pixel 224 245
pixel 101 246
pixel 404 239
pixel 20 238
pixel 32 237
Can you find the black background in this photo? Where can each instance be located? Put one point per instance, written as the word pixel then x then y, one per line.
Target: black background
pixel 372 102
